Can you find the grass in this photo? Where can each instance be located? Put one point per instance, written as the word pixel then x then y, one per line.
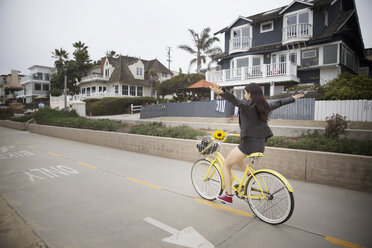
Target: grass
pixel 158 129
pixel 72 119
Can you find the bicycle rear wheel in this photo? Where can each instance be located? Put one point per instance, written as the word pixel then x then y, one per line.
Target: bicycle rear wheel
pixel 276 204
pixel 207 185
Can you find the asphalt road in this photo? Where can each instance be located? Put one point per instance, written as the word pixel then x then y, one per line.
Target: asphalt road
pixel 79 195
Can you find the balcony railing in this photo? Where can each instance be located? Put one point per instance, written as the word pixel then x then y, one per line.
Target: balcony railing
pixel 240 43
pixel 93 78
pixel 297 32
pixel 254 72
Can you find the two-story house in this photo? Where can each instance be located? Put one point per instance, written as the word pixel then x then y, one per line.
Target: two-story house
pixel 124 77
pixel 9 85
pixel 305 42
pixel 37 83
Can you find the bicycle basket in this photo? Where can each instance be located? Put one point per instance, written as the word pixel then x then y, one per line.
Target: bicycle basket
pixel 207 146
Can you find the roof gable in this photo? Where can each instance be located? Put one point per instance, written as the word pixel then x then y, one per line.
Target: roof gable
pixel 294 2
pixel 233 23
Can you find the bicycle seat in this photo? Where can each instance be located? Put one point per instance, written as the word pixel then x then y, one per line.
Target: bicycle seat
pixel 255 155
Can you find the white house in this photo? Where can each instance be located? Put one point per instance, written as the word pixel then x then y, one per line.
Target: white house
pixel 37 83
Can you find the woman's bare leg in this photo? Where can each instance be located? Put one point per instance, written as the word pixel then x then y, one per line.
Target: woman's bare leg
pixel 234 157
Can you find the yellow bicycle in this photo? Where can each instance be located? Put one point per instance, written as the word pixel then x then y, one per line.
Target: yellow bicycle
pixel 267 192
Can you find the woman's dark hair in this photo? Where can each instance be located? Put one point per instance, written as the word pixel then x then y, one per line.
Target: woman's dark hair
pixel 258 98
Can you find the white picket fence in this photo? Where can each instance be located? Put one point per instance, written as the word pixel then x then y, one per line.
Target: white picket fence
pixel 354 110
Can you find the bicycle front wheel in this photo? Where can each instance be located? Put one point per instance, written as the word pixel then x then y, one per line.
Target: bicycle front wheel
pixel 274 204
pixel 206 179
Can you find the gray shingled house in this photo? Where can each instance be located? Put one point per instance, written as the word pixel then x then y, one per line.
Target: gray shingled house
pixel 304 42
pixel 124 77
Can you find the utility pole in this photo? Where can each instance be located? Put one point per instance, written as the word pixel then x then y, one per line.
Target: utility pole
pixel 65 92
pixel 169 56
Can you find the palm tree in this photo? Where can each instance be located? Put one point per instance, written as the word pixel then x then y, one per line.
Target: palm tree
pixel 82 59
pixel 61 55
pixel 202 44
pixel 112 54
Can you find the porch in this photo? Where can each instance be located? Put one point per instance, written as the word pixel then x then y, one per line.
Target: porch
pixel 261 74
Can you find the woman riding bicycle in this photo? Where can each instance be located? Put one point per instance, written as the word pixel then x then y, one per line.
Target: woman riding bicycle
pixel 253 117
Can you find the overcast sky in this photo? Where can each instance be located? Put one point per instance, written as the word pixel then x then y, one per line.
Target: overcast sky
pixel 31 29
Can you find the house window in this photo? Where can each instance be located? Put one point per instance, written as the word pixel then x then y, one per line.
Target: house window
pixel 37 86
pixel 293 58
pixel 153 93
pixel 309 58
pixel 164 74
pixel 348 58
pixel 240 65
pixel 93 89
pixel 99 88
pixel 45 87
pixel 297 25
pixel 83 91
pixel 330 54
pixel 240 37
pixel 139 71
pixel 88 91
pixel 139 91
pixel 116 89
pixel 46 77
pixel 132 90
pixel 107 73
pixel 309 54
pixel 37 76
pixel 267 26
pixel 124 90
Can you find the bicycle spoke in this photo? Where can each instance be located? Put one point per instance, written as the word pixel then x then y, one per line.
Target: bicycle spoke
pixel 277 206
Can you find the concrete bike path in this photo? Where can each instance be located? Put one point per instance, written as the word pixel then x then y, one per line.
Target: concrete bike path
pixel 79 195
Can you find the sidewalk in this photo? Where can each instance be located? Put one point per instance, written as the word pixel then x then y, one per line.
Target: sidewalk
pixel 289 128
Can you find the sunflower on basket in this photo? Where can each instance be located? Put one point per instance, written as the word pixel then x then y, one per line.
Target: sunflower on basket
pixel 220 135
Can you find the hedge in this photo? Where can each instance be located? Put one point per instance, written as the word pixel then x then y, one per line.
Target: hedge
pixel 114 105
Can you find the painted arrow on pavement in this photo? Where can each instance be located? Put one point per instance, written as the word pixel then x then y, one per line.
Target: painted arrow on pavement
pixel 187 237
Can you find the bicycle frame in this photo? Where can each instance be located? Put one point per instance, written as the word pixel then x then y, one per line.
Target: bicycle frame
pixel 248 173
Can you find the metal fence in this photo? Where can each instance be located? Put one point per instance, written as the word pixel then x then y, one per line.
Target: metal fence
pixel 354 110
pixel 302 109
pixel 216 109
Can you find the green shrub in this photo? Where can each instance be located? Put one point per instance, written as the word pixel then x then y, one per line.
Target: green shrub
pixel 348 87
pixel 317 142
pixel 49 116
pixel 158 129
pixel 5 113
pixel 114 105
pixel 336 126
pixel 24 118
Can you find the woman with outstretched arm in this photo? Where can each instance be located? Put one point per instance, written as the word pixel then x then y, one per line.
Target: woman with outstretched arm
pixel 253 116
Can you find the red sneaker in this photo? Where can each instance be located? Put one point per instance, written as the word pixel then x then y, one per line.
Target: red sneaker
pixel 225 199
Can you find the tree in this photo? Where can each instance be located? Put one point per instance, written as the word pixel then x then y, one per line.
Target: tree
pixel 82 59
pixel 57 79
pixel 111 54
pixel 61 55
pixel 176 85
pixel 202 47
pixel 348 87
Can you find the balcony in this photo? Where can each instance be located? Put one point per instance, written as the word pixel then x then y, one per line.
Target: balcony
pixel 297 33
pixel 95 77
pixel 239 44
pixel 278 72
